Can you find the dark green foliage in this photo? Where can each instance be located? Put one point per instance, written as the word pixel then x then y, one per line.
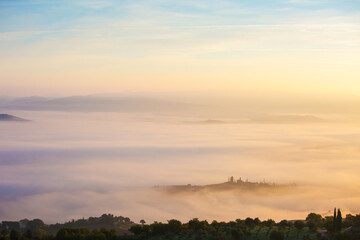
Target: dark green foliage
pixel 85 234
pixel 356 221
pixel 236 233
pixel 158 228
pixel 250 223
pixel 299 225
pixel 329 224
pixel 337 222
pixel 10 225
pixel 35 224
pixel 340 236
pixel 197 225
pixel 137 229
pixel 348 221
pixel 174 226
pixel 314 221
pixel 351 220
pixel 28 234
pixel 15 235
pixel 257 221
pixel 269 223
pixel 4 232
pixel 108 221
pixel 39 229
pixel 334 220
pixel 194 229
pixel 276 235
pixel 241 229
pixel 284 224
pixel 72 234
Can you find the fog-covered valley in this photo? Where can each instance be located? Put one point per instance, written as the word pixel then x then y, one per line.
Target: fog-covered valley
pixel 71 164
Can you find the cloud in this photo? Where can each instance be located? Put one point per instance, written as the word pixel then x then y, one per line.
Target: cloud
pixel 154 205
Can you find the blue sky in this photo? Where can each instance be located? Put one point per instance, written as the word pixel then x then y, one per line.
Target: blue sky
pixel 105 35
pixel 18 15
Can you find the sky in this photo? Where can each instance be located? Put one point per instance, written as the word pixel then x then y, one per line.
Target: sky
pixel 59 48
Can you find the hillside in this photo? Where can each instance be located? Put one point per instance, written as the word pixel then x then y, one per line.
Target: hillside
pixel 11 118
pixel 230 185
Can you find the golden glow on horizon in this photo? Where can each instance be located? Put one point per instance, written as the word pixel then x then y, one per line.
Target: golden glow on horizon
pixel 294 49
pixel 90 74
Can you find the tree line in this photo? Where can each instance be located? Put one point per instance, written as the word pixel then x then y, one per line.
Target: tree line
pixel 110 227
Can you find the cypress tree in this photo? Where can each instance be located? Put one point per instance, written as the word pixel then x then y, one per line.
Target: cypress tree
pixel 338 221
pixel 334 220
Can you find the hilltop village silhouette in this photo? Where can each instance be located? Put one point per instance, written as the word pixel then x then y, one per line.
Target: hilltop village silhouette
pixel 230 184
pixel 246 182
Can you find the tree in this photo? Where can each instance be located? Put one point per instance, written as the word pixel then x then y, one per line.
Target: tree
pixel 311 226
pixel 62 234
pixel 142 221
pixel 269 223
pixel 136 229
pixel 15 235
pixel 174 226
pixel 249 222
pixel 348 221
pixel 283 224
pixel 313 221
pixel 299 225
pixel 356 221
pixel 4 232
pixel 23 223
pixel 276 235
pixel 158 228
pixel 196 225
pixel 257 221
pixel 334 220
pixel 235 234
pixel 338 221
pixel 329 224
pixel 28 234
pixel 35 224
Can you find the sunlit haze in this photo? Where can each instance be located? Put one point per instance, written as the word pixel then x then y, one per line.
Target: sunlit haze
pixel 85 47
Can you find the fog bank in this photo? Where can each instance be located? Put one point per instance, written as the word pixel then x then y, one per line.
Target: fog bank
pixel 65 165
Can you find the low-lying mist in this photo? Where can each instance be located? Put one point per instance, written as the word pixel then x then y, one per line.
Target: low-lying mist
pixel 65 165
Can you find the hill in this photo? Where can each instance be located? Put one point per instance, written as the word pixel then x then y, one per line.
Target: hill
pixel 11 118
pixel 230 185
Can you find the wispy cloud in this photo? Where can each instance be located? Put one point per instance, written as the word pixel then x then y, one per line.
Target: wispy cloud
pixel 174 33
pixel 307 2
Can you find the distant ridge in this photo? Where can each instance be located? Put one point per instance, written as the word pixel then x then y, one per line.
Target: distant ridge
pixel 11 118
pixel 231 184
pixel 94 103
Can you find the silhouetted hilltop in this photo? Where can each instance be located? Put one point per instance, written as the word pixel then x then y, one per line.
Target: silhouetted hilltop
pixel 231 184
pixel 7 117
